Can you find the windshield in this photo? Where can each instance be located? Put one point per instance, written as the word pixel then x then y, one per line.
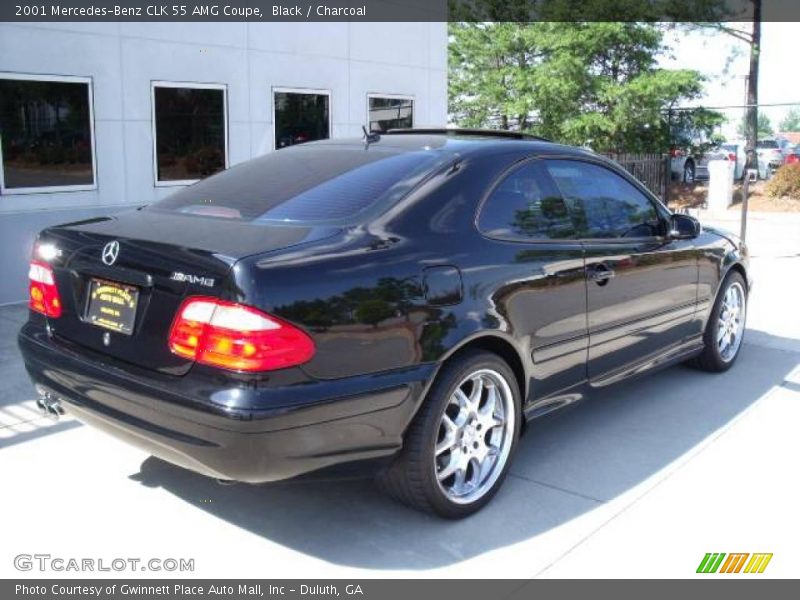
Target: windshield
pixel 767 144
pixel 320 184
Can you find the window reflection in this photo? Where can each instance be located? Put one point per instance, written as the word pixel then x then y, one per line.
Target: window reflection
pixel 390 113
pixel 46 133
pixel 301 117
pixel 190 132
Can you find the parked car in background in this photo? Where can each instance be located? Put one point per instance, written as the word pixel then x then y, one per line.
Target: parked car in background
pixel 793 155
pixel 785 145
pixel 688 167
pixel 734 152
pixel 770 157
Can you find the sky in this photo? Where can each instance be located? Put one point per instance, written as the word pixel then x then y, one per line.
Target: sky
pixel 725 61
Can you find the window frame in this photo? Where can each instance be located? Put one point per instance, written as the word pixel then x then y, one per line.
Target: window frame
pixel 300 90
pixel 194 85
pixel 662 211
pixel 411 97
pixel 506 174
pixel 52 189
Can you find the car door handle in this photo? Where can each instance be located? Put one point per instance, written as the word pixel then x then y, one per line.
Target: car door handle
pixel 601 273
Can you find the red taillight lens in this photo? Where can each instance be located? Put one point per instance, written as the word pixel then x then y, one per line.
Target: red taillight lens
pixel 237 337
pixel 731 156
pixel 43 294
pixel 792 158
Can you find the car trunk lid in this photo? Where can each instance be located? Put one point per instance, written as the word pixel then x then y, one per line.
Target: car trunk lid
pixel 122 279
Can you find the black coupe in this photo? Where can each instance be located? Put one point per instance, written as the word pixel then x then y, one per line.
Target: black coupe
pixel 407 301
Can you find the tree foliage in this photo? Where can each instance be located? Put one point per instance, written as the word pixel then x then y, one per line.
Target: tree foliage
pixel 791 122
pixel 764 126
pixel 594 83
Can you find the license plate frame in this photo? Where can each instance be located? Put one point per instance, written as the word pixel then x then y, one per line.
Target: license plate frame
pixel 112 305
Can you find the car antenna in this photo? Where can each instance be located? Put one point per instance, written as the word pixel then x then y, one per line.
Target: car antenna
pixel 370 137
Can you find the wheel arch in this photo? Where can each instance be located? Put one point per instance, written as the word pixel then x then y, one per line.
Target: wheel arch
pixel 727 267
pixel 739 268
pixel 496 343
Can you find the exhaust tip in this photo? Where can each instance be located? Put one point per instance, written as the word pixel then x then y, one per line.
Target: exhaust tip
pixel 49 404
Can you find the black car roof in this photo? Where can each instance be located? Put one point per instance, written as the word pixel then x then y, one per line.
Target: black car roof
pixel 463 142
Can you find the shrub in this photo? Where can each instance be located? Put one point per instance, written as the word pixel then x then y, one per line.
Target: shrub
pixel 785 182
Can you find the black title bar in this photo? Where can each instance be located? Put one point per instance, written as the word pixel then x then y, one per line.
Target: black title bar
pixel 28 11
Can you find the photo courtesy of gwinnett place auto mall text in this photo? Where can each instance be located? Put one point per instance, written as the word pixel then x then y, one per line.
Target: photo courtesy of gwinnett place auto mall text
pixel 393 299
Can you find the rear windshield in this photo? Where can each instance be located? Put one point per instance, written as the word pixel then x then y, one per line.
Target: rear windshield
pixel 331 184
pixel 767 144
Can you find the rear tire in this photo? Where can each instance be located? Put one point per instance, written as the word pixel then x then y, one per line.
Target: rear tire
pixel 725 328
pixel 458 448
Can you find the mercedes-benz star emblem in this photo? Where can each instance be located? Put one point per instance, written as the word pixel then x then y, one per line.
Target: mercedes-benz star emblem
pixel 110 252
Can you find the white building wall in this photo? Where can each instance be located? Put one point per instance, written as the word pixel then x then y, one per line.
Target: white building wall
pixel 351 60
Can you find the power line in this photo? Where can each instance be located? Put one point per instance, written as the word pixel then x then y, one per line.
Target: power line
pixel 688 108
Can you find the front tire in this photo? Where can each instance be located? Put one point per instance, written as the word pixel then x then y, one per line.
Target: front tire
pixel 725 328
pixel 458 448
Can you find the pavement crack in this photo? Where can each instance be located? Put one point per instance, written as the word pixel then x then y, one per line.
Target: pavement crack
pixel 557 488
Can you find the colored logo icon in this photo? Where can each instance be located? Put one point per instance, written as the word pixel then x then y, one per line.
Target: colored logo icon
pixel 719 562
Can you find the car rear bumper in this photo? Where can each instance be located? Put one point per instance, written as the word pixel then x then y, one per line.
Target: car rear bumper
pixel 269 444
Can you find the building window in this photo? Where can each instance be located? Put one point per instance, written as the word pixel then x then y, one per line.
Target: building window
pixel 301 116
pixel 46 126
pixel 190 131
pixel 390 112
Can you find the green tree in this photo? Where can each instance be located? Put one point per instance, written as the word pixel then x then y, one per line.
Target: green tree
pixel 592 83
pixel 764 126
pixel 791 122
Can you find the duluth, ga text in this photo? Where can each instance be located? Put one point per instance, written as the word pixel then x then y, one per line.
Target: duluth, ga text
pixel 186 589
pixel 182 589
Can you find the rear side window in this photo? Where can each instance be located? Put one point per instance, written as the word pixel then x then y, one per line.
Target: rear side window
pixel 603 204
pixel 526 205
pixel 328 184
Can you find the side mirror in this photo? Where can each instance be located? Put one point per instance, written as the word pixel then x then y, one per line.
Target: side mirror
pixel 684 227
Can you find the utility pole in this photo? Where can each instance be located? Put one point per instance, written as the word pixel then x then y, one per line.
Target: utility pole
pixel 751 124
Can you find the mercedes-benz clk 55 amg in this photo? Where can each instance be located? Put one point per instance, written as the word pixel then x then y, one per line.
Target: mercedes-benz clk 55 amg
pixel 411 298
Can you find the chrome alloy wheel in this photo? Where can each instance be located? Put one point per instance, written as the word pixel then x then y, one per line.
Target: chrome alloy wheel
pixel 475 436
pixel 730 325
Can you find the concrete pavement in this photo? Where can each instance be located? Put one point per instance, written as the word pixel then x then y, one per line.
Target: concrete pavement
pixel 642 480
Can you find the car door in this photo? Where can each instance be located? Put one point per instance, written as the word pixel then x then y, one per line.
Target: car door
pixel 641 285
pixel 540 287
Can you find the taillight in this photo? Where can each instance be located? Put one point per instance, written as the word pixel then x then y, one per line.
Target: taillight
pixel 43 294
pixel 792 158
pixel 237 337
pixel 731 156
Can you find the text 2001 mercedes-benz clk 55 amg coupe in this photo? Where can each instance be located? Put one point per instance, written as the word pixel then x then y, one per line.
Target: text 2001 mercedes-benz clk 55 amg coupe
pixel 412 297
